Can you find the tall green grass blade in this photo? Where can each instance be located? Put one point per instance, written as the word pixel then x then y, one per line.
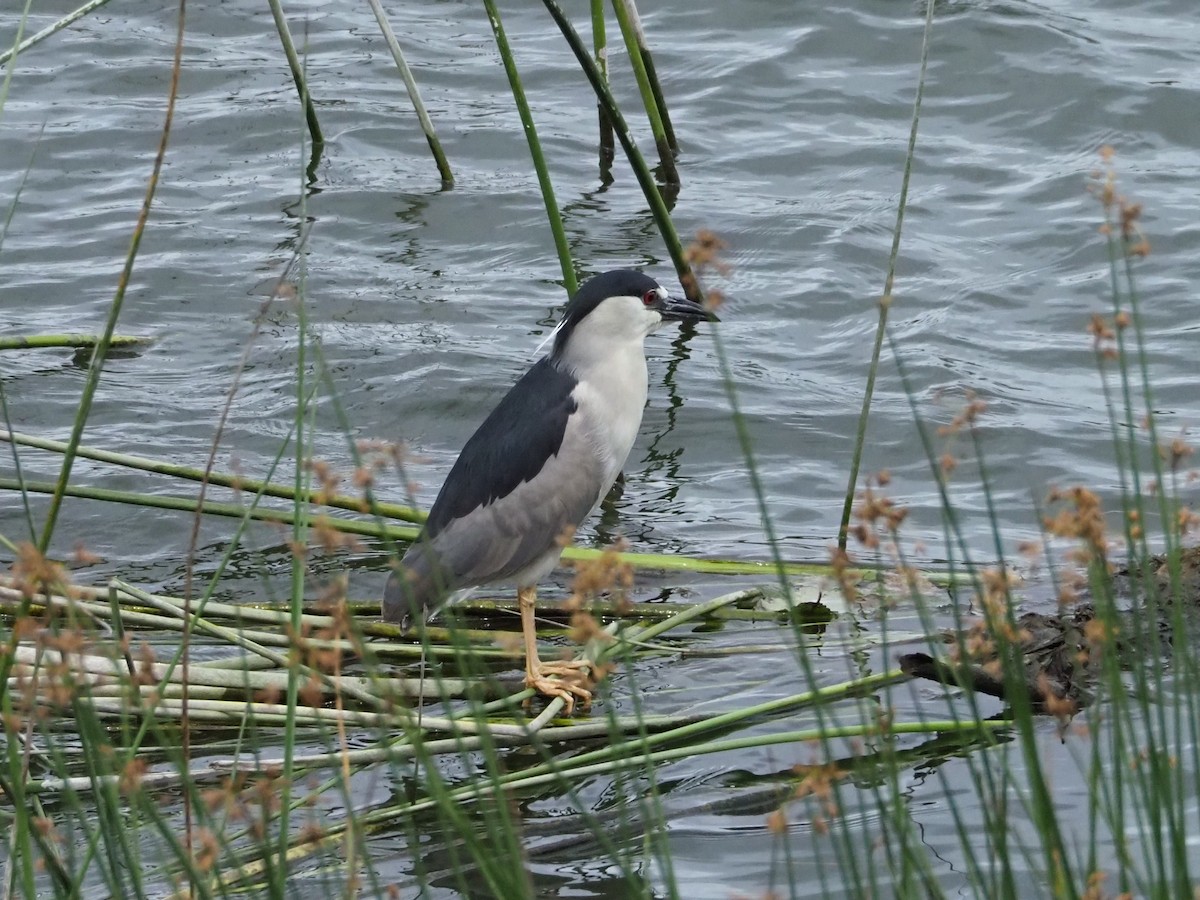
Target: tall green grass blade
pixel 19 480
pixel 885 302
pixel 300 530
pixel 8 218
pixel 102 346
pixel 553 214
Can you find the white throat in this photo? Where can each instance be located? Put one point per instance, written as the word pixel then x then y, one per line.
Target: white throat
pixel 606 353
pixel 610 335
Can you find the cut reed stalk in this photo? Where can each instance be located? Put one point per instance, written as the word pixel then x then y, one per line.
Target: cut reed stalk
pixel 97 669
pixel 237 638
pixel 208 507
pixel 240 711
pixel 625 609
pixel 216 770
pixel 652 74
pixel 607 142
pixel 651 92
pixel 400 752
pixel 553 214
pixel 414 93
pixel 297 70
pixel 690 613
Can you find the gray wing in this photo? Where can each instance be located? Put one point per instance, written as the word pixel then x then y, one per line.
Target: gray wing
pixel 532 470
pixel 518 535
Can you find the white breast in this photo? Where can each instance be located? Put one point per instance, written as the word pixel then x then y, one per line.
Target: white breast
pixel 606 354
pixel 611 399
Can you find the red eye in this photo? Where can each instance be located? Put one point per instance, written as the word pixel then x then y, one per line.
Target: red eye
pixel 650 298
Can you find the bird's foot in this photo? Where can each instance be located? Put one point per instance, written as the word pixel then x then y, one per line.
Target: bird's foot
pixel 568 685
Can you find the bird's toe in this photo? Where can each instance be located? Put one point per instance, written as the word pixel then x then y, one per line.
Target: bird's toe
pixel 567 685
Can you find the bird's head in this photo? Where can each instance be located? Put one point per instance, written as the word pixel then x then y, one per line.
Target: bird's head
pixel 622 305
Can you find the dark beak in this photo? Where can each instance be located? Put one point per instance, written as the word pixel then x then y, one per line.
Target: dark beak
pixel 681 309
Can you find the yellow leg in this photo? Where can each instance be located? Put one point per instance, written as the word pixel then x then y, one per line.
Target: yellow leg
pixel 536 672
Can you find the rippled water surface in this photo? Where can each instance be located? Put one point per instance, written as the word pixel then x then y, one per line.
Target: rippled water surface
pixel 793 121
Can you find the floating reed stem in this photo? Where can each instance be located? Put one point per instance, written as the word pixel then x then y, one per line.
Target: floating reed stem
pixel 198 623
pixel 485 606
pixel 70 341
pixel 658 561
pixel 209 507
pixel 558 734
pixel 690 613
pixel 12 600
pixel 233 482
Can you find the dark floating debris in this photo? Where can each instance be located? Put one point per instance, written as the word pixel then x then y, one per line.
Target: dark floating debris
pixel 1060 654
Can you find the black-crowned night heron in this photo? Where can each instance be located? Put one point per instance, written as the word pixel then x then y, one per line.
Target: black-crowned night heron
pixel 541 462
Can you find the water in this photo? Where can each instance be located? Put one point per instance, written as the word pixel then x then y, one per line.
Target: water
pixel 793 123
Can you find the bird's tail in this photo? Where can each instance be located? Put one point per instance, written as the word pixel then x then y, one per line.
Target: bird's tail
pixel 416 587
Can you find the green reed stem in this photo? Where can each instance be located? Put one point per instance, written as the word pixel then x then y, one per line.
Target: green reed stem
pixel 232 636
pixel 658 206
pixel 8 217
pixel 42 341
pixel 20 478
pixel 297 70
pixel 234 482
pixel 97 362
pixel 300 522
pixel 664 561
pixel 1011 657
pixel 885 302
pixel 600 49
pixel 20 46
pixel 102 345
pixel 414 93
pixel 629 755
pixel 652 75
pixel 652 97
pixel 553 215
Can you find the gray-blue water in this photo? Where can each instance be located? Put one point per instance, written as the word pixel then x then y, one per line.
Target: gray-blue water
pixel 793 121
